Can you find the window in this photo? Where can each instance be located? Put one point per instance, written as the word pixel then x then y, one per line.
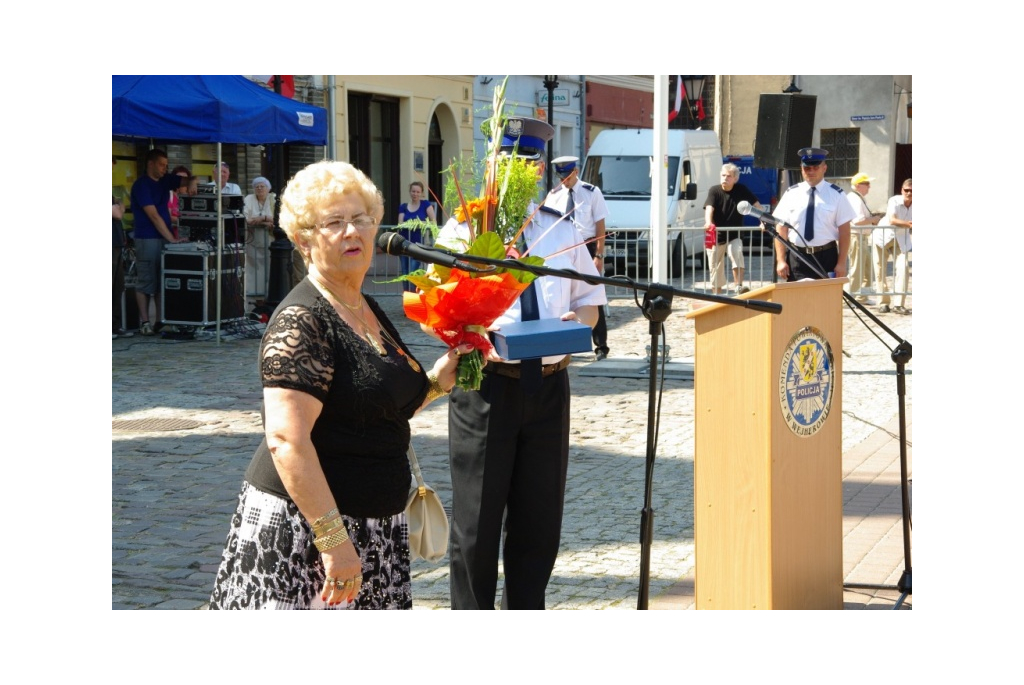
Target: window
pixel 843 145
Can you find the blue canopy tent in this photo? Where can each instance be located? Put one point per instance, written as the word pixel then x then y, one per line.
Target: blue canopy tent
pixel 212 109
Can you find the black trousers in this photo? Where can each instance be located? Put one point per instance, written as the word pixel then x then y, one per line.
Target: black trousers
pixel 600 332
pixel 826 260
pixel 509 456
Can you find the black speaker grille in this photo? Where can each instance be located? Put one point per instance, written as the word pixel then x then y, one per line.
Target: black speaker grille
pixel 785 123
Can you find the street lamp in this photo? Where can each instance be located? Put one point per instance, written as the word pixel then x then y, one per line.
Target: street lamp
pixel 694 86
pixel 550 83
pixel 791 88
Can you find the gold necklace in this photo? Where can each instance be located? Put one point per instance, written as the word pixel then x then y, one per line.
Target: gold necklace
pixel 412 362
pixel 346 305
pixel 367 335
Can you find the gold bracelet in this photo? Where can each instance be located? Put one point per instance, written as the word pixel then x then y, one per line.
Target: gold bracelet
pixel 325 528
pixel 435 390
pixel 331 541
pixel 325 518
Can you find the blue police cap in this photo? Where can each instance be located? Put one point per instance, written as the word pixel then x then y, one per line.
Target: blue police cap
pixel 565 165
pixel 812 156
pixel 531 135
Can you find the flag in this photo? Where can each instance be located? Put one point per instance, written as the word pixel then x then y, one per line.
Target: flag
pixel 287 84
pixel 700 109
pixel 677 101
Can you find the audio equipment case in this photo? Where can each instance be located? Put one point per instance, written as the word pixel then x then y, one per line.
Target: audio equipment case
pixel 190 286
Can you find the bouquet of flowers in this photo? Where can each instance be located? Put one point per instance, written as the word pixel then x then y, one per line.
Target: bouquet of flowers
pixel 460 305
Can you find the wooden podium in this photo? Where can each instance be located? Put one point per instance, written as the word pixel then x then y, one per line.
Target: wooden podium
pixel 768 506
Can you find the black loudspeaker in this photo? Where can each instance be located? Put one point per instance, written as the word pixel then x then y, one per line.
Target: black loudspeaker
pixel 785 123
pixel 129 310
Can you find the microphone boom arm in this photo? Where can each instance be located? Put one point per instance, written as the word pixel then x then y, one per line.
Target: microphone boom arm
pixel 756 305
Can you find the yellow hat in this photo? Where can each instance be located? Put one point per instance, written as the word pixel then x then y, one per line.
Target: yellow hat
pixel 860 178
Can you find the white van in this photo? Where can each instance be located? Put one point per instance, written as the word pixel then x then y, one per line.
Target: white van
pixel 619 163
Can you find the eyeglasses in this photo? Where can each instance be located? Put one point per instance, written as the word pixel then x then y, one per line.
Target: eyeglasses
pixel 908 190
pixel 360 222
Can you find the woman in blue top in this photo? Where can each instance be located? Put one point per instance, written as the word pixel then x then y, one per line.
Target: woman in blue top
pixel 414 209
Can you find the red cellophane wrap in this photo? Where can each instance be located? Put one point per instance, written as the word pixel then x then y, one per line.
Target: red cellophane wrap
pixel 463 301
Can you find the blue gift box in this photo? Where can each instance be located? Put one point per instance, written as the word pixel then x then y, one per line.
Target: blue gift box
pixel 542 338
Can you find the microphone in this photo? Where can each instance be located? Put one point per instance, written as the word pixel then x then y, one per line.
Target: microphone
pixel 746 208
pixel 394 244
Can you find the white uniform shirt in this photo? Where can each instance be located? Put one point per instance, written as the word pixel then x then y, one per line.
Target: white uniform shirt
pixel 588 201
pixel 546 236
pixel 831 210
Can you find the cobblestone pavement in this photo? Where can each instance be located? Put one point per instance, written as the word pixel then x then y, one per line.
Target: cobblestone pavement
pixel 186 421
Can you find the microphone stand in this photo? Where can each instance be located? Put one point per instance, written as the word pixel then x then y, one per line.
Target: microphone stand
pixel 901 354
pixel 656 308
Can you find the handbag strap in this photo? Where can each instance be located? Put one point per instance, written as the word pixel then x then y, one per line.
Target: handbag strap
pixel 415 467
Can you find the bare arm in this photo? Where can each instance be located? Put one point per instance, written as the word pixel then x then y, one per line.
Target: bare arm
pixel 844 249
pixel 158 222
pixel 290 415
pixel 781 266
pixel 585 314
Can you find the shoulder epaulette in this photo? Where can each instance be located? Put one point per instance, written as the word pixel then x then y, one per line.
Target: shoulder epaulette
pixel 588 186
pixel 548 210
pixel 836 188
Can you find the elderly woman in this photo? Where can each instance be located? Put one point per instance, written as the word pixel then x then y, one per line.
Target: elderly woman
pixel 259 228
pixel 320 521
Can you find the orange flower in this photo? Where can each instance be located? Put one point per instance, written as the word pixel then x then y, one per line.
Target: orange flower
pixel 476 208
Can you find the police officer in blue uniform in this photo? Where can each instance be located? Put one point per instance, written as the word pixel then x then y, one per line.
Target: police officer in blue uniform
pixel 583 205
pixel 820 216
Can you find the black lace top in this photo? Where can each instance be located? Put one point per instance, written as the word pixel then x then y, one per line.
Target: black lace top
pixel 362 434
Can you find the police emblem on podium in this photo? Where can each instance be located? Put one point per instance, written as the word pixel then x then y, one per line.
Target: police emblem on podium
pixel 806 381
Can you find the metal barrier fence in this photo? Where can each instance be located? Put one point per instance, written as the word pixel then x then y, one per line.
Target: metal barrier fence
pixel 626 251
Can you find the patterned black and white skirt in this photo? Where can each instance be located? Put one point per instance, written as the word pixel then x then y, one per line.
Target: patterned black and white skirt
pixel 270 561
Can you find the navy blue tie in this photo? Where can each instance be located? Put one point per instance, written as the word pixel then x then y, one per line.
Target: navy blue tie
pixel 530 373
pixel 570 208
pixel 809 221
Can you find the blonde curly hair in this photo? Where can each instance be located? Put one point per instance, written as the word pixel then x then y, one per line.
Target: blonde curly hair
pixel 310 192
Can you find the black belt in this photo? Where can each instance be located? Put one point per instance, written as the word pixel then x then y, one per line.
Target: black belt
pixel 816 248
pixel 514 370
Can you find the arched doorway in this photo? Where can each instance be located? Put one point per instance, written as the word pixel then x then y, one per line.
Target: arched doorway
pixel 436 166
pixel 442 148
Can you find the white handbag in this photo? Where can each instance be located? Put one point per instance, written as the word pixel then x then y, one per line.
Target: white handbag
pixel 427 519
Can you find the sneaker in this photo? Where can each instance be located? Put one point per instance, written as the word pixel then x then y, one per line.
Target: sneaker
pixel 122 333
pixel 115 336
pixel 884 309
pixel 901 310
pixel 742 289
pixel 146 328
pixel 600 354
